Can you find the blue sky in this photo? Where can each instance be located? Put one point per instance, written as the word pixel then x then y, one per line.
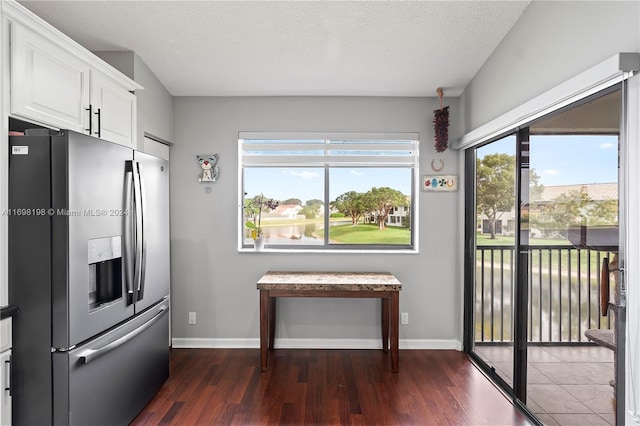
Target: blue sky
pixel 558 160
pixel 308 183
pixel 566 160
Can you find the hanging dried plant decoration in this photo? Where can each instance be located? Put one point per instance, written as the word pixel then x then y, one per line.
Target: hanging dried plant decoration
pixel 441 125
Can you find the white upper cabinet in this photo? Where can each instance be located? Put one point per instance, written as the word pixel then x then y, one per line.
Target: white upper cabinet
pixel 48 84
pixel 113 111
pixel 58 83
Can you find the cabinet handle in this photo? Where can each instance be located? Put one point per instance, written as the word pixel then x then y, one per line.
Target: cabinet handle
pixel 7 365
pixel 90 129
pixel 99 125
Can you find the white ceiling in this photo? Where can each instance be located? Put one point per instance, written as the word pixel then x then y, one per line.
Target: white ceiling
pixel 280 48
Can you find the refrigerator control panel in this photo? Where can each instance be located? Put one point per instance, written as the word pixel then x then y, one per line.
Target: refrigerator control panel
pixel 101 249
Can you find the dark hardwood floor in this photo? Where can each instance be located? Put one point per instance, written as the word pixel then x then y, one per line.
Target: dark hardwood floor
pixel 326 387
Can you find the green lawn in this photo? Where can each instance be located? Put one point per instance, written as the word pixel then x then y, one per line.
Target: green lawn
pixel 368 234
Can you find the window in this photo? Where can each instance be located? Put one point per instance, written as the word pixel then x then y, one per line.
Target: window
pixel 339 191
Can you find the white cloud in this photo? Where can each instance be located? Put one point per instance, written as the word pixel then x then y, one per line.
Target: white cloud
pixel 305 175
pixel 552 172
pixel 355 173
pixel 607 145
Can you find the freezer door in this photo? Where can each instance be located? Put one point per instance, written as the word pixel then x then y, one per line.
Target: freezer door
pixel 154 275
pixel 110 379
pixel 89 185
pixel 30 277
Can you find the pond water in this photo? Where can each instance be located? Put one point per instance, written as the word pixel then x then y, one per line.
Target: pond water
pixel 304 233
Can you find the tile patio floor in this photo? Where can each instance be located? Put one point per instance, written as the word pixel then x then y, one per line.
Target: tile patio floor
pixel 567 385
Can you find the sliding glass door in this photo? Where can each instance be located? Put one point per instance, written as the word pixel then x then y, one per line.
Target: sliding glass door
pixel 493 252
pixel 542 243
pixel 573 240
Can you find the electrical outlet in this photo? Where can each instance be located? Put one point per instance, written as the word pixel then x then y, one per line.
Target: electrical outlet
pixel 404 317
pixel 192 317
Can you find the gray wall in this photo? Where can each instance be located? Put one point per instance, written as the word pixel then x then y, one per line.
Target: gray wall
pixel 210 277
pixel 155 103
pixel 551 42
pixel 123 61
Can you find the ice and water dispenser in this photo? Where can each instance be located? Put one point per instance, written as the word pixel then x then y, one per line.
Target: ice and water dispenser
pixel 105 271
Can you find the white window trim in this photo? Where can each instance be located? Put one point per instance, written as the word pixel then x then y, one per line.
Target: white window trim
pixel 350 136
pixel 631 205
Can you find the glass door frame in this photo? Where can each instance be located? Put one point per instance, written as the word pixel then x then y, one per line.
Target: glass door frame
pixel 520 337
pixel 521 287
pixel 518 390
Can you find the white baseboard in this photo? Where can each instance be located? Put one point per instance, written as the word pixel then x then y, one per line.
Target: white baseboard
pixel 215 343
pixel 286 343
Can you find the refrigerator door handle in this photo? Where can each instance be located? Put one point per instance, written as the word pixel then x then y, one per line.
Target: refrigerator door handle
pixel 138 233
pixel 143 239
pixel 129 233
pixel 89 355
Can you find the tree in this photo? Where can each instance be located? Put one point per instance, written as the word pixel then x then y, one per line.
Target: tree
pixel 309 212
pixel 570 208
pixel 574 208
pixel 495 187
pixel 380 201
pixel 292 201
pixel 535 189
pixel 315 202
pixel 604 213
pixel 351 204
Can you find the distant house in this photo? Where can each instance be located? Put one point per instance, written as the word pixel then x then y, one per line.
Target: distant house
pixel 397 216
pixel 597 192
pixel 287 210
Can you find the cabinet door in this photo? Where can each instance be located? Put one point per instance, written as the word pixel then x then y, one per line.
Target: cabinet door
pixel 5 382
pixel 114 110
pixel 5 334
pixel 48 84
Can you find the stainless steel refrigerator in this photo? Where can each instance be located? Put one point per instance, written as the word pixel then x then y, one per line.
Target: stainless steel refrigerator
pixel 89 271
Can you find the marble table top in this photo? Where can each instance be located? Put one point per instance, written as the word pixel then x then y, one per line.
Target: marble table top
pixel 342 281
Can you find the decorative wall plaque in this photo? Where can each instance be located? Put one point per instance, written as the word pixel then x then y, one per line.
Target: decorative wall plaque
pixel 439 183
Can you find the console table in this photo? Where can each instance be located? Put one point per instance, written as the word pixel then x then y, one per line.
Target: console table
pixel 379 285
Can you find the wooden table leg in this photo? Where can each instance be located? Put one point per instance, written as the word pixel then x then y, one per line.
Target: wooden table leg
pixel 395 332
pixel 385 323
pixel 272 322
pixel 264 329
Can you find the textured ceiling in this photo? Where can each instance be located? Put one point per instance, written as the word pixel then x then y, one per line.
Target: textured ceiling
pixel 280 48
